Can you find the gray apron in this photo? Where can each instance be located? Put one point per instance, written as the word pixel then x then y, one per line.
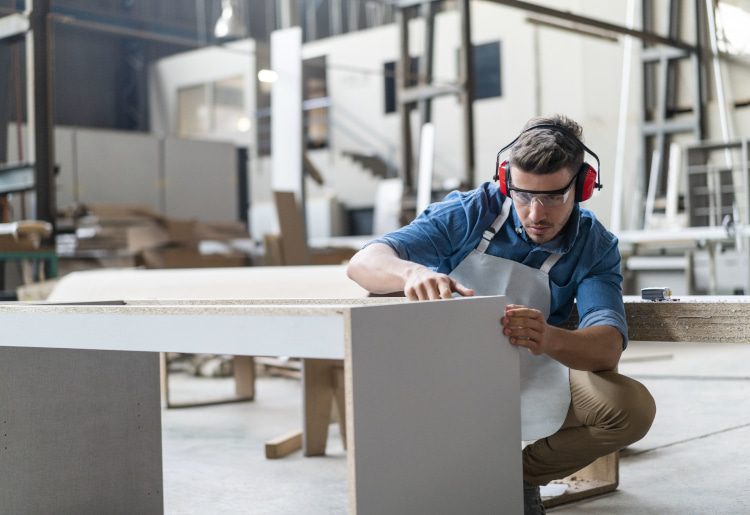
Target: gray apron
pixel 545 390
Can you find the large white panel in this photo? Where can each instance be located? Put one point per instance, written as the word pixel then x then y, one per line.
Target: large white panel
pixel 119 167
pixel 200 180
pixel 286 110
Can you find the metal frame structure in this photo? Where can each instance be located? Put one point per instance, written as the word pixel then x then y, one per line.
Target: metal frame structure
pixel 426 91
pixel 35 24
pixel 662 119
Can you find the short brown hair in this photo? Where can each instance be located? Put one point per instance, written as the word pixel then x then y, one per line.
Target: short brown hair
pixel 547 149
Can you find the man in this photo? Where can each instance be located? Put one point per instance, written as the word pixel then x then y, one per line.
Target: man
pixel 527 238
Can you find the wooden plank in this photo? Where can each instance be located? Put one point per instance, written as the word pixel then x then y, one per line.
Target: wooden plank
pixel 601 476
pixel 317 375
pixel 164 379
pixel 339 396
pixel 415 392
pixel 292 223
pixel 244 377
pixel 284 445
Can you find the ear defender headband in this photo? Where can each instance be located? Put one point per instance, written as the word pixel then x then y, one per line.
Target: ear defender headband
pixel 587 177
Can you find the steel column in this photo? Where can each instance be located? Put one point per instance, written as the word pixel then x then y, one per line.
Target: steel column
pixel 43 110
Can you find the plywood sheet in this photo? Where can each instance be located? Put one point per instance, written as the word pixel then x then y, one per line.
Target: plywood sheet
pixel 215 283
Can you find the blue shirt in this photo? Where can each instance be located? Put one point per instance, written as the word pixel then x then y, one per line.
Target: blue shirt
pixel 588 273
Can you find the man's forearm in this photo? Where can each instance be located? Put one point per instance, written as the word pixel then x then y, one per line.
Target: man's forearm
pixel 378 269
pixel 591 349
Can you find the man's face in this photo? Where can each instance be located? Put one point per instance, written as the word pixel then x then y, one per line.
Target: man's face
pixel 543 214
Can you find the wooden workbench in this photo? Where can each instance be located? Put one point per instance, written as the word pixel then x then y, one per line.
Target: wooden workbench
pixel 82 427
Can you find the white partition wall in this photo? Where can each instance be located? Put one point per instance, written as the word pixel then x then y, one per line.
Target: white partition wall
pixel 181 178
pixel 119 167
pixel 200 180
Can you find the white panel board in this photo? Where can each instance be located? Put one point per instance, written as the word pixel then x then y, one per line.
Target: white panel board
pixel 306 336
pixel 286 110
pixel 119 167
pixel 200 180
pixel 435 420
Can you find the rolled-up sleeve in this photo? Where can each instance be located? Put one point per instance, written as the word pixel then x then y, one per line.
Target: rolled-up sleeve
pixel 437 233
pixel 599 295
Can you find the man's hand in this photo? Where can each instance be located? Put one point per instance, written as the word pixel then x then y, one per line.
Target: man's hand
pixel 424 284
pixel 526 327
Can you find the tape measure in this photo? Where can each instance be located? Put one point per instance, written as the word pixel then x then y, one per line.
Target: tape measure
pixel 656 293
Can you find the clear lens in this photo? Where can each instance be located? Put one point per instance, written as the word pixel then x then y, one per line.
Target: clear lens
pixel 524 198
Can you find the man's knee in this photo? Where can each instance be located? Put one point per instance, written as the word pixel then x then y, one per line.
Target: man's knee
pixel 616 404
pixel 632 410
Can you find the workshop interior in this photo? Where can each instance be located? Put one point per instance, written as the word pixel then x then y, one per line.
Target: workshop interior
pixel 183 185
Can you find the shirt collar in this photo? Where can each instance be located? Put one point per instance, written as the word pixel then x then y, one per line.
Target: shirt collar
pixel 563 242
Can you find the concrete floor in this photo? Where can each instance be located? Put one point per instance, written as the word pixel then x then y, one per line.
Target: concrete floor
pixel 695 459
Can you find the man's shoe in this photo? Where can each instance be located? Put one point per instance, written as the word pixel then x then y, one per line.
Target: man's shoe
pixel 532 501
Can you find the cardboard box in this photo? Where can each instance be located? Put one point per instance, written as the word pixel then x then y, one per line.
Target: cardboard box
pixel 147 236
pixel 182 232
pixel 221 231
pixel 11 243
pixel 125 212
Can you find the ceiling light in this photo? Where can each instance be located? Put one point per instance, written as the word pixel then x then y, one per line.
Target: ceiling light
pixel 268 76
pixel 230 23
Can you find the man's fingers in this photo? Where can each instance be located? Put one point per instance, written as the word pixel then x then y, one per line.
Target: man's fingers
pixel 531 345
pixel 435 287
pixel 522 311
pixel 461 289
pixel 525 333
pixel 518 322
pixel 445 290
pixel 419 292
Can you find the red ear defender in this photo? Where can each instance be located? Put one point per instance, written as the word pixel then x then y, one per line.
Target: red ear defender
pixel 586 179
pixel 586 183
pixel 500 176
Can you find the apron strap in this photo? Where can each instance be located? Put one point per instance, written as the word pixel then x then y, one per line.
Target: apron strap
pixel 492 231
pixel 550 262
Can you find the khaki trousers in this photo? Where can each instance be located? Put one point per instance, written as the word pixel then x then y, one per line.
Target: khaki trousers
pixel 608 411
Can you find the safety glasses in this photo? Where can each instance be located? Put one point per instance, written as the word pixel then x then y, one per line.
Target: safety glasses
pixel 552 198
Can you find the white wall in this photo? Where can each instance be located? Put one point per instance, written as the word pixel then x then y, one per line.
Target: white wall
pixel 569 65
pixel 196 67
pixel 579 76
